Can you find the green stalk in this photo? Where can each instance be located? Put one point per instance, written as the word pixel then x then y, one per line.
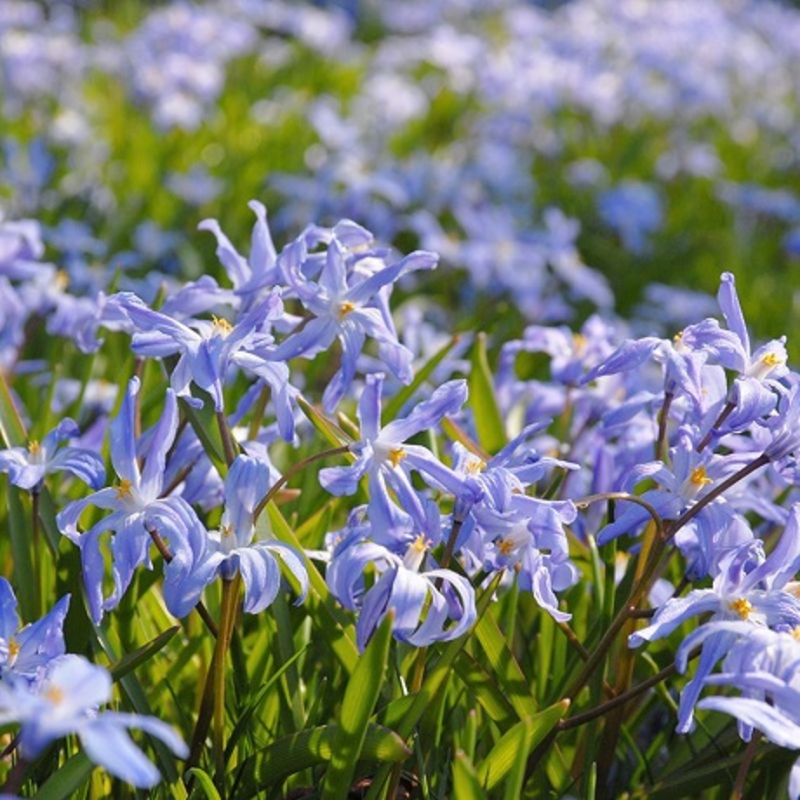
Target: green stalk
pixel 37 557
pixel 227 617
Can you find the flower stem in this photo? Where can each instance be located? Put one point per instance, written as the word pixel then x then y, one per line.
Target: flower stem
pixel 292 471
pixel 724 414
pixel 37 560
pixel 227 617
pixel 228 447
pixel 16 777
pixel 618 701
pixel 741 776
pixel 663 418
pixel 691 512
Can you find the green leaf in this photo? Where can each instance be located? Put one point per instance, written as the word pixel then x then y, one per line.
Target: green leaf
pixel 65 782
pixel 435 678
pixel 253 704
pixel 513 748
pixel 505 668
pixel 204 424
pixel 485 689
pixel 310 748
pixel 132 660
pixel 12 429
pixel 332 432
pixel 135 694
pixel 326 613
pixel 19 528
pixel 465 778
pixel 47 516
pixel 488 420
pixel 395 405
pixel 363 690
pixel 203 780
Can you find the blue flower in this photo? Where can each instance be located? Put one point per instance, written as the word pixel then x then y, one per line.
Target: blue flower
pixel 748 588
pixel 635 210
pixel 346 303
pixel 208 348
pixel 26 651
pixel 250 277
pixel 383 455
pixel 428 605
pixel 200 556
pixel 526 534
pixel 67 701
pixel 27 466
pixel 132 503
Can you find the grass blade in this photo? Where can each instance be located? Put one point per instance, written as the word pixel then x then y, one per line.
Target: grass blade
pixel 465 778
pixel 203 780
pixel 65 782
pixel 310 748
pixel 482 398
pixel 512 749
pixel 361 694
pixel 132 660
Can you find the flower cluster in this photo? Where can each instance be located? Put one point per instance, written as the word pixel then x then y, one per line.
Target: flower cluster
pixel 50 694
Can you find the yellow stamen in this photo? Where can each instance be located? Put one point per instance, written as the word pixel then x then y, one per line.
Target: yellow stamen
pixel 699 477
pixel 796 632
pixel 34 447
pixel 62 279
pixel 124 489
pixel 13 649
pixel 416 552
pixel 226 530
pixel 742 607
pixel 221 325
pixel 475 466
pixel 345 308
pixel 54 695
pixel 420 544
pixel 397 455
pixel 506 546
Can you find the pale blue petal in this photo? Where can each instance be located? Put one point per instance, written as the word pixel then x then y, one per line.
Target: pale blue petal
pixel 9 618
pixel 84 464
pixel 121 436
pixel 261 576
pixel 108 744
pixel 732 310
pixel 446 399
pixel 676 611
pixel 160 444
pixel 369 407
pixel 293 563
pixel 776 726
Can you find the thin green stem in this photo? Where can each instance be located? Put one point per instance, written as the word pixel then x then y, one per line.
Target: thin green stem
pixel 292 471
pixel 228 446
pixel 737 792
pixel 718 490
pixel 37 556
pixel 663 418
pixel 259 407
pixel 724 414
pixel 615 702
pixel 227 617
